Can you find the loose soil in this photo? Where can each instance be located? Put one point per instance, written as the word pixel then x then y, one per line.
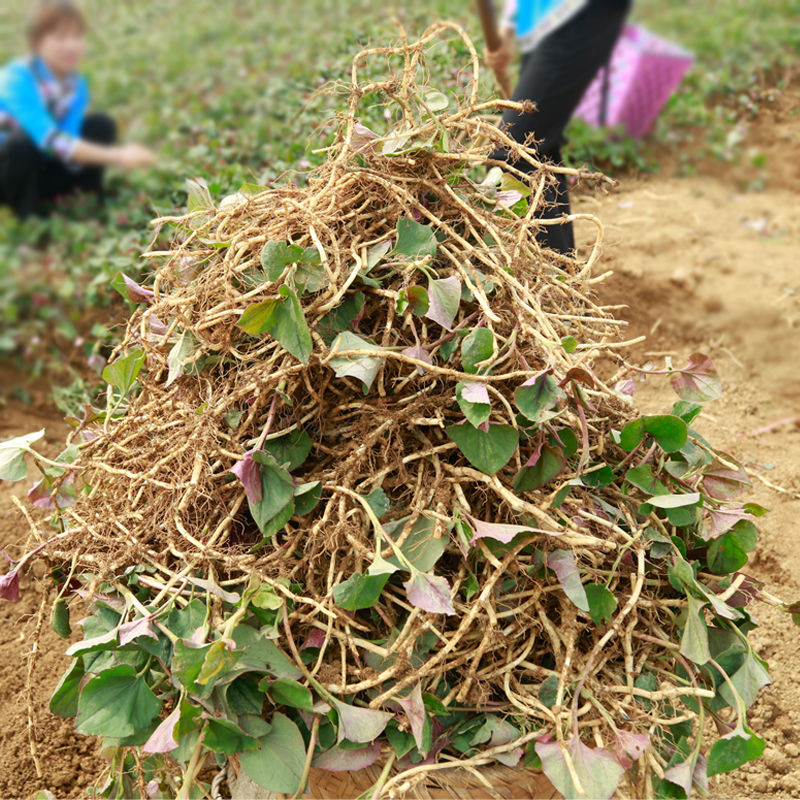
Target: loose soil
pixel 701 264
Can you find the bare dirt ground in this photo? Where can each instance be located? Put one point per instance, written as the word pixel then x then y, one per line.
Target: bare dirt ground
pixel 703 264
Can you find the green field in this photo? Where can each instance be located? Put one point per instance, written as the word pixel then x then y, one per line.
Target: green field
pixel 229 91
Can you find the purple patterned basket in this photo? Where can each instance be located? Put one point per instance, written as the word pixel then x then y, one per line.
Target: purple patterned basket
pixel 643 72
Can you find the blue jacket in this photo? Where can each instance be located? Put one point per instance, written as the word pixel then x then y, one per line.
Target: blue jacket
pixel 532 20
pixel 50 111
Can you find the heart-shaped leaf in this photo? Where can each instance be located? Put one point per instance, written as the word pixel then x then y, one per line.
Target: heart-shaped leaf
pixel 489 451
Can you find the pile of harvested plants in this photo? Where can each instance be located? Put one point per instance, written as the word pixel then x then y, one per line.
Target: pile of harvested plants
pixel 370 488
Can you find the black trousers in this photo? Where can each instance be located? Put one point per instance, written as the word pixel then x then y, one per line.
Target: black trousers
pixel 29 177
pixel 554 76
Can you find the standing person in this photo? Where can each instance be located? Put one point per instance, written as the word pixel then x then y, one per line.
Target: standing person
pixel 563 44
pixel 49 144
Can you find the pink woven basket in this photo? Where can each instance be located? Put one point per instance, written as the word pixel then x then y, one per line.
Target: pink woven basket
pixel 643 72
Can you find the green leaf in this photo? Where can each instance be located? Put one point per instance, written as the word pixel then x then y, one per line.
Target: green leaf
pixel 669 432
pixel 217 660
pixel 124 371
pixel 694 641
pixel 730 752
pixel 538 397
pixel 414 239
pixel 12 456
pixel 747 680
pixel 291 450
pixel 306 497
pixel 364 368
pixel 286 692
pixel 259 318
pixel 64 702
pixel 276 256
pixel 378 501
pixel 602 603
pixel 562 562
pixel 728 552
pixel 477 346
pixel 642 478
pixel 547 467
pixel 187 662
pixel 291 328
pixel 473 400
pixel 569 343
pixel 117 703
pixel 422 548
pixel 359 591
pixel 418 300
pixel 60 619
pixel 277 490
pixel 548 690
pixel 436 101
pixel 278 764
pixel 224 736
pixel 489 451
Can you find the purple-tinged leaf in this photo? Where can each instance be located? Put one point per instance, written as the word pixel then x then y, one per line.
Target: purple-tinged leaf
pixel 162 740
pixel 9 586
pixel 314 639
pixel 475 392
pixel 421 354
pixel 39 495
pixel 508 198
pixel 501 532
pixel 688 773
pixel 136 293
pixel 598 771
pixel 723 483
pixel 156 325
pixel 631 747
pixel 246 471
pixel 722 520
pixel 495 732
pixel 562 562
pixel 414 707
pixel 625 387
pixel 429 592
pixel 93 642
pixel 361 138
pixel 338 759
pixel 444 295
pixel 698 381
pixel 153 789
pixel 747 591
pixel 360 724
pixel 137 627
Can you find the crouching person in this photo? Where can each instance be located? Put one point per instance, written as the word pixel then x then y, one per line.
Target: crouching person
pixel 49 145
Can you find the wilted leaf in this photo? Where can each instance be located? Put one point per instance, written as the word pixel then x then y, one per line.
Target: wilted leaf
pixel 501 532
pixel 360 724
pixel 747 681
pixel 421 354
pixel 340 759
pixel 598 771
pixel 698 381
pixel 436 101
pixel 134 292
pixel 724 483
pixel 429 592
pixel 694 641
pixel 9 586
pixel 631 747
pixel 362 137
pixel 414 707
pixel 180 351
pixel 422 548
pixel 364 368
pixel 246 471
pixel 163 740
pixel 444 295
pixel 473 400
pixel 12 456
pixel 562 562
pixel 143 626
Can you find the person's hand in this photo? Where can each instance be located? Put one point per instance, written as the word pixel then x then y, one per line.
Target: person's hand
pixel 134 156
pixel 499 60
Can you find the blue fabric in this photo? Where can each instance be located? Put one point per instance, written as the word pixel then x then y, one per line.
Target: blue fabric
pixel 48 110
pixel 531 12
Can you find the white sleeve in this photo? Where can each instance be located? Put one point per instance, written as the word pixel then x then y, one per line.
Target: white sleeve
pixel 509 15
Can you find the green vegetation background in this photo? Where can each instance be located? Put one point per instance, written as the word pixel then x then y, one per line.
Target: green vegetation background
pixel 227 91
